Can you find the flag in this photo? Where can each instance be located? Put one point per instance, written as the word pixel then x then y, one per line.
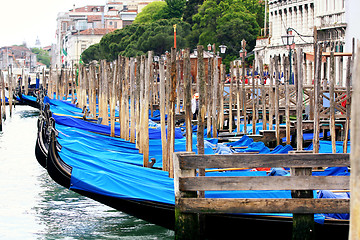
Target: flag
pixel 64 52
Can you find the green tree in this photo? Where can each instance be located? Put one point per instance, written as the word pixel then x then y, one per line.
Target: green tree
pixel 225 22
pixel 191 8
pixel 42 56
pixel 173 9
pixel 137 39
pixel 150 13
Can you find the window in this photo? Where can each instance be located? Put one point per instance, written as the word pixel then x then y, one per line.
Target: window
pixel 110 23
pixel 115 24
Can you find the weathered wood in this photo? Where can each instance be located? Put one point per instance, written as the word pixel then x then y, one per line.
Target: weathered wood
pixel 238 99
pixel 145 114
pixel 215 89
pixel 113 102
pixel 232 76
pixel 202 107
pixel 186 224
pixel 254 96
pixel 187 99
pixel 299 94
pixel 317 76
pixel 132 100
pixel 265 183
pixel 165 157
pixel 303 223
pixel 3 116
pixel 355 150
pixel 287 99
pixel 230 205
pixel 264 160
pixel 271 94
pixel 171 116
pixel 10 90
pixel 348 104
pixel 243 94
pixel 277 86
pixel 263 94
pixel 2 98
pixel 137 102
pixel 332 102
pixel 208 96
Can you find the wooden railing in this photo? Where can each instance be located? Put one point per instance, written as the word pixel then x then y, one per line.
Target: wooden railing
pixel 301 182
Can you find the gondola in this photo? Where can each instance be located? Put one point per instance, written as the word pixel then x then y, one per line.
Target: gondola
pixel 217 226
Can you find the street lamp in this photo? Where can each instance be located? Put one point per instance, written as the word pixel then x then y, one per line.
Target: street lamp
pixel 209 47
pixel 288 40
pixel 222 48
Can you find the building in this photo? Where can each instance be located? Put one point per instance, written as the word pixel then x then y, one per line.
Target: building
pixel 333 20
pixel 81 27
pixel 17 57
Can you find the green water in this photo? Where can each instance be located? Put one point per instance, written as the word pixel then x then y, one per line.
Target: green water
pixel 33 206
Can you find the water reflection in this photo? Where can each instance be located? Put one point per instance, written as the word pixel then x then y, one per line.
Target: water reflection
pixel 35 207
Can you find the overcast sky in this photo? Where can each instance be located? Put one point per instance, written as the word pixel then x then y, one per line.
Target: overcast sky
pixel 24 20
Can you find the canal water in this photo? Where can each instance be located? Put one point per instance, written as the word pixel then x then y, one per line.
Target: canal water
pixel 33 206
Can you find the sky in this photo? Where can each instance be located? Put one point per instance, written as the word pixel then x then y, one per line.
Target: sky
pixel 25 20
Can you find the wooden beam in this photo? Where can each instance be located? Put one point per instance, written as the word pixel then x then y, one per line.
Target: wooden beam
pixel 230 205
pixel 264 160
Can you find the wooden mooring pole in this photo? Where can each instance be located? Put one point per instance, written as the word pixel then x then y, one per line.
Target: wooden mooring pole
pixel 355 152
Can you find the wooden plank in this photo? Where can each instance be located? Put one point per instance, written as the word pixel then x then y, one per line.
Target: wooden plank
pixel 355 150
pixel 265 183
pixel 264 160
pixel 230 205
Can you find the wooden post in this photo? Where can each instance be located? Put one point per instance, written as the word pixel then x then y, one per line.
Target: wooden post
pixel 132 100
pixel 303 224
pixel 10 76
pixel 165 158
pixel 186 224
pixel 221 96
pixel 317 75
pixel 208 97
pixel 348 104
pixel 231 96
pixel 187 99
pixel 287 99
pixel 113 102
pixel 171 123
pixel 243 94
pixel 1 97
pixel 145 114
pixel 277 86
pixel 355 151
pixel 126 98
pixel 3 116
pixel 137 102
pixel 178 85
pixel 254 96
pixel 263 94
pixel 215 97
pixel 271 94
pixel 332 101
pixel 238 101
pixel 299 105
pixel 202 108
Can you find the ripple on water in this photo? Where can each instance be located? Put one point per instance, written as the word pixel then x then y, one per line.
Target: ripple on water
pixel 35 207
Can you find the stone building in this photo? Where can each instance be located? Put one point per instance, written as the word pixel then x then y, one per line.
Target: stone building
pixel 81 27
pixel 335 27
pixel 17 57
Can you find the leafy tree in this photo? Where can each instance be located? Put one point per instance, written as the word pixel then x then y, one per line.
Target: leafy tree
pixel 91 53
pixel 191 8
pixel 137 39
pixel 150 13
pixel 173 9
pixel 42 56
pixel 225 22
